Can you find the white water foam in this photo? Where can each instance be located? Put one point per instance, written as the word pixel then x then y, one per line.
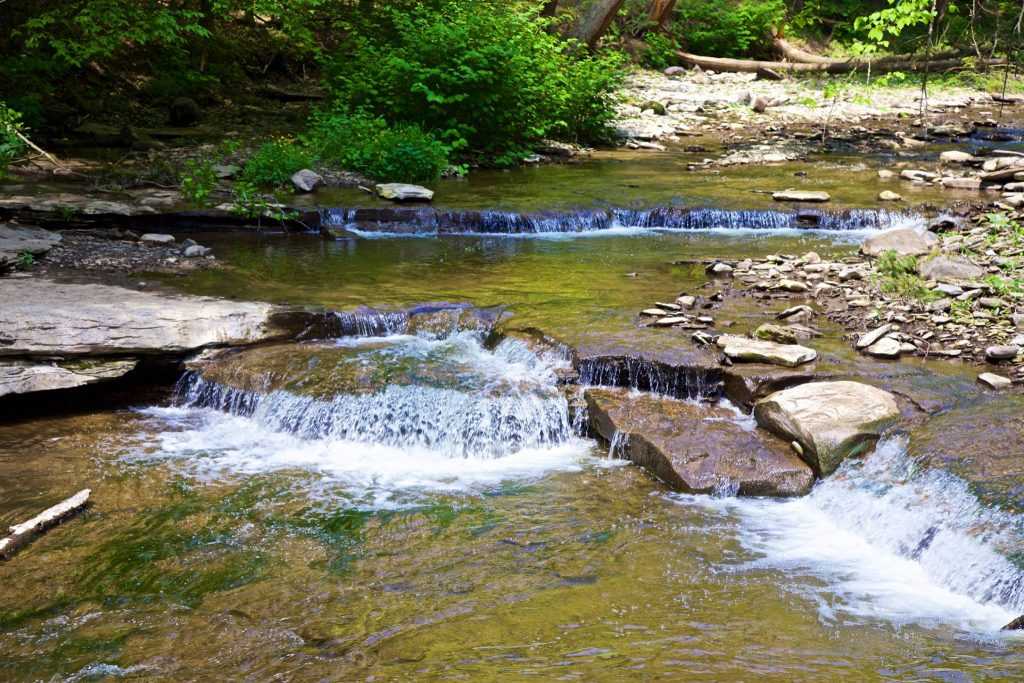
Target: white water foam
pixel 507 421
pixel 888 542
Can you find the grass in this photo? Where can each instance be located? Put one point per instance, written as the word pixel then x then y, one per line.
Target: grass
pixel 897 275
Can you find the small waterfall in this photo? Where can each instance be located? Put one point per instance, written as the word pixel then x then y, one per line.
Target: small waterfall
pixel 652 376
pixel 367 323
pixel 426 220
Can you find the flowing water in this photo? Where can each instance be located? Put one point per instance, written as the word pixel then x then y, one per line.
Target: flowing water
pixel 417 502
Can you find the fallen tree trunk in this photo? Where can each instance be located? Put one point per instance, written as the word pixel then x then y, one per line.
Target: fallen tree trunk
pixel 26 531
pixel 792 53
pixel 843 67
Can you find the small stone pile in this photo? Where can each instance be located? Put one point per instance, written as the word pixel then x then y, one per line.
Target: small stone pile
pixel 1002 171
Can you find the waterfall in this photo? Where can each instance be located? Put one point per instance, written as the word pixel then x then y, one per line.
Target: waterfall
pixel 426 220
pixel 658 378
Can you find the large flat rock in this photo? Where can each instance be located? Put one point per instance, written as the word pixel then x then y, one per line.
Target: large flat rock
pixel 697 448
pixel 982 444
pixel 746 350
pixel 25 377
pixel 16 240
pixel 830 420
pixel 40 317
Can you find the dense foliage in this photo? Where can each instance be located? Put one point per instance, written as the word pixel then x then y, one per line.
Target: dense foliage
pixel 10 144
pixel 274 162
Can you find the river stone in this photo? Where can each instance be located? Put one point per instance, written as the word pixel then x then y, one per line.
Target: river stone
pixel 1001 353
pixel 16 240
pixel 961 183
pixel 306 180
pixel 745 383
pixel 156 238
pixel 403 192
pixel 26 377
pixel 982 443
pixel 885 348
pixel 955 157
pixel 40 317
pixel 904 241
pixel 776 333
pixel 830 420
pixel 994 381
pixel 696 448
pixel 873 336
pixel 801 196
pixel 889 196
pixel 196 251
pixel 742 349
pixel 949 268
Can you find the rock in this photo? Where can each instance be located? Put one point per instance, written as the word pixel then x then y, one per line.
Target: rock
pixel 403 192
pixel 904 241
pixel 801 196
pixel 184 112
pixel 745 384
pixel 41 317
pixel 884 174
pixel 156 238
pixel 886 347
pixel 674 71
pixel 225 171
pixel 796 314
pixel 981 443
pixel 197 251
pixel 1001 353
pixel 744 350
pixel 830 420
pixel 695 448
pixel 787 285
pixel 949 268
pixel 776 333
pixel 873 336
pixel 955 157
pixel 759 103
pixel 992 302
pixel 654 312
pixel 16 240
pixel 766 74
pixel 1015 625
pixel 654 106
pixel 889 196
pixel 948 289
pixel 917 175
pixel 961 183
pixel 306 180
pixel 720 269
pixel 994 381
pixel 26 377
pixel 687 301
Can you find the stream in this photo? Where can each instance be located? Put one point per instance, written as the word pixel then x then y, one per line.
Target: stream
pixel 403 502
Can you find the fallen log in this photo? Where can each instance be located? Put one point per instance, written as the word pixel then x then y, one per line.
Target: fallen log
pixel 792 53
pixel 725 64
pixel 20 534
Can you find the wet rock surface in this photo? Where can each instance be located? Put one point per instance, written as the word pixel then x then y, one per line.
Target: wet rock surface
pixel 696 448
pixel 27 377
pixel 830 420
pixel 18 240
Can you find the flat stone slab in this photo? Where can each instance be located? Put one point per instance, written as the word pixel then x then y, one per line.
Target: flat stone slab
pixel 830 420
pixel 696 448
pixel 403 192
pixel 40 317
pixel 24 377
pixel 904 241
pixel 16 240
pixel 801 196
pixel 744 350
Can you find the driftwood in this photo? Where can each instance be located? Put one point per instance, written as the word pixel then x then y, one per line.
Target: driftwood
pixel 724 64
pixel 792 53
pixel 26 531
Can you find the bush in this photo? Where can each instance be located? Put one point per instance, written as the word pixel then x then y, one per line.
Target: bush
pixel 726 28
pixel 482 77
pixel 274 162
pixel 366 144
pixel 659 51
pixel 10 144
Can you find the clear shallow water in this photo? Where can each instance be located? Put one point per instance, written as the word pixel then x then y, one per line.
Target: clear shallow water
pixel 237 544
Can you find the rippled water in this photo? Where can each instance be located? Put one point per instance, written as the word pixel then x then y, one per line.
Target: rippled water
pixel 381 535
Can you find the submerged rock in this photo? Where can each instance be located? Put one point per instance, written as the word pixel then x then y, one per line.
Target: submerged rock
pixel 746 350
pixel 830 420
pixel 695 448
pixel 904 241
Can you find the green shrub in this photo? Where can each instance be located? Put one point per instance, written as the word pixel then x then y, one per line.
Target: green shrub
pixel 198 181
pixel 727 28
pixel 10 144
pixel 367 144
pixel 274 162
pixel 891 264
pixel 659 51
pixel 481 77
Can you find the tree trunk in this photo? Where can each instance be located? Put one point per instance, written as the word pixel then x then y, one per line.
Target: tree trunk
pixel 659 12
pixel 793 53
pixel 840 67
pixel 595 20
pixel 549 9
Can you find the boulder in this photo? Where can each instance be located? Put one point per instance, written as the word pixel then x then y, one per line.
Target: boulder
pixel 904 241
pixel 889 196
pixel 744 350
pixel 745 384
pixel 41 317
pixel 887 347
pixel 403 192
pixel 306 180
pixel 948 268
pixel 956 157
pixel 695 448
pixel 801 196
pixel 16 240
pixel 26 377
pixel 830 420
pixel 196 251
pixel 1001 353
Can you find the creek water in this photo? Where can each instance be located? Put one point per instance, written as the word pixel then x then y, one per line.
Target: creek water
pixel 420 505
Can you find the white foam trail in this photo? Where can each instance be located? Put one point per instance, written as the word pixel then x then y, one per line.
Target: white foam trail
pixel 890 542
